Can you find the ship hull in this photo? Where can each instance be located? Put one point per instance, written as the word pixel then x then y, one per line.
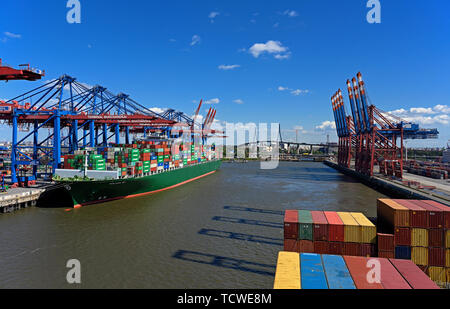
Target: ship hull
pixel 92 192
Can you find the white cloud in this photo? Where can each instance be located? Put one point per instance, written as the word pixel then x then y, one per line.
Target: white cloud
pixel 158 110
pixel 281 57
pixel 270 47
pixel 213 15
pixel 238 101
pixel 290 13
pixel 212 101
pixel 295 92
pixel 195 39
pixel 439 114
pixel 326 125
pixel 228 67
pixel 299 91
pixel 12 35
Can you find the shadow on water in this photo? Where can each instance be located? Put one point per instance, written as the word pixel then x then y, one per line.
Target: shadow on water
pixel 247 221
pixel 226 262
pixel 327 177
pixel 240 236
pixel 258 210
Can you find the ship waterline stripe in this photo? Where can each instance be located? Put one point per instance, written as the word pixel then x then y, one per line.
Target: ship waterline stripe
pixel 142 194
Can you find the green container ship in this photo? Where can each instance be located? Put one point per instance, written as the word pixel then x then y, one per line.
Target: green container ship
pixel 86 192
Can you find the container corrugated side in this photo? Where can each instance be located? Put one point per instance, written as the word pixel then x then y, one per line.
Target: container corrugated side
pixel 291 245
pixel 291 224
pixel 306 246
pixel 320 226
pixel 336 248
pixel 437 274
pixel 337 273
pixel 312 272
pixel 417 215
pixel 305 225
pixel 402 236
pixel 447 258
pixel 335 226
pixel 434 214
pixel 419 255
pixel 368 229
pixel 385 242
pixel 352 230
pixel 287 274
pixel 415 277
pixel 321 247
pixel 403 252
pixel 357 266
pixel 436 238
pixel 436 257
pixel 392 213
pixel 368 250
pixel 447 238
pixel 444 208
pixel 419 237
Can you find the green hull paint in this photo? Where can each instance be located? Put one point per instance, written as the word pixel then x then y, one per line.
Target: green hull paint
pixel 90 192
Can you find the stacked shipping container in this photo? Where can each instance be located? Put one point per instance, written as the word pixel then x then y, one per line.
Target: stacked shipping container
pixel 315 271
pixel 329 233
pixel 140 158
pixel 421 233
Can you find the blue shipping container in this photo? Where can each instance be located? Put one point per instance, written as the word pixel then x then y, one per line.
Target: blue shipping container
pixel 161 164
pixel 337 273
pixel 153 158
pixel 403 252
pixel 311 271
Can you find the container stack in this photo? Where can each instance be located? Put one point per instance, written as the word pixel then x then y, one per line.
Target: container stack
pixel 315 271
pixel 420 231
pixel 329 233
pixel 140 158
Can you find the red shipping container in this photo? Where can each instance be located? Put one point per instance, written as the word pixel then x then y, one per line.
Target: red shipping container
pixel 435 216
pixel 385 242
pixel 402 236
pixel 415 277
pixel 335 248
pixel 321 247
pixel 335 226
pixel 291 245
pixel 368 250
pixel 389 276
pixel 357 266
pixel 386 254
pixel 306 246
pixel 417 215
pixel 445 209
pixel 352 248
pixel 436 257
pixel 291 224
pixel 436 238
pixel 320 226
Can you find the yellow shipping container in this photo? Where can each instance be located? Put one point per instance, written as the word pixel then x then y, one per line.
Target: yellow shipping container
pixel 419 237
pixel 447 270
pixel 447 239
pixel 368 229
pixel 437 274
pixel 352 230
pixel 447 258
pixel 287 275
pixel 419 255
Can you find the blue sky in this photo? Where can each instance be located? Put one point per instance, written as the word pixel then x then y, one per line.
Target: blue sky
pixel 265 61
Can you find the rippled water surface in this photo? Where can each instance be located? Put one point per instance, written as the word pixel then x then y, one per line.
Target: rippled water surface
pixel 221 231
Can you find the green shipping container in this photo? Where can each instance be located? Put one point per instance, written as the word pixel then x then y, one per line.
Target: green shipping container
pixel 305 225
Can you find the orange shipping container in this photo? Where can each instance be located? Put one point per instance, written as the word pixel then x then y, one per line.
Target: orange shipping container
pixel 392 213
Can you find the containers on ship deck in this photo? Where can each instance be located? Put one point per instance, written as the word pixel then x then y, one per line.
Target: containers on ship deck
pixel 436 257
pixel 312 272
pixel 320 226
pixel 416 278
pixel 419 255
pixel 435 216
pixel 445 209
pixel 368 229
pixel 305 225
pixel 403 252
pixel 335 226
pixel 389 276
pixel 352 230
pixel 357 266
pixel 291 224
pixel 436 238
pixel 287 275
pixel 419 237
pixel 337 274
pixel 417 215
pixel 393 213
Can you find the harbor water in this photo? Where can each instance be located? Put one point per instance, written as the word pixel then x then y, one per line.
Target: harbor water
pixel 220 231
